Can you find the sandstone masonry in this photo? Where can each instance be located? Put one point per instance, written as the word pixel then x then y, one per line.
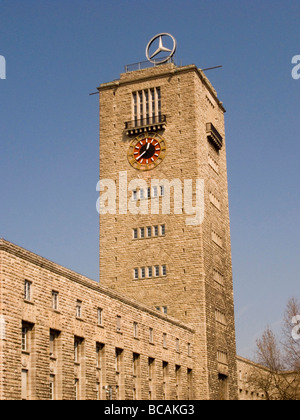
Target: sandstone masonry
pixel 51 349
pixel 197 288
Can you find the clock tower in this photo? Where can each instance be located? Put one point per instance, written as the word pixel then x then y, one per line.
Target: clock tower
pixel 164 217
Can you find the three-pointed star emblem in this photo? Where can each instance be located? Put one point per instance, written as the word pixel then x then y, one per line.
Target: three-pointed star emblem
pixel 161 49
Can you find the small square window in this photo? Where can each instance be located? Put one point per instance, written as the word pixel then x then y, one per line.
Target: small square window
pixel 78 308
pixel 119 355
pixel 54 300
pixel 27 290
pixel 26 336
pixel 100 316
pixel 76 388
pixel 99 355
pixel 52 388
pixel 135 330
pixel 118 323
pixel 164 340
pixel 177 345
pixel 135 371
pixel 78 342
pixel 53 342
pixel 24 384
pixel 25 330
pixel 150 335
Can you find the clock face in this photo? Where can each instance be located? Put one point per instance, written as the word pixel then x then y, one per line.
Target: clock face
pixel 147 151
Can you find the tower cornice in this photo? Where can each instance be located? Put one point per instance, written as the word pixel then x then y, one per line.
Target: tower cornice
pixel 166 70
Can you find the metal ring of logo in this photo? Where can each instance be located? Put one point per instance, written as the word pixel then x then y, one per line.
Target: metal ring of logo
pixel 160 48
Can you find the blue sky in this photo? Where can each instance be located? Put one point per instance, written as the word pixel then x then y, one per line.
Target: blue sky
pixel 59 51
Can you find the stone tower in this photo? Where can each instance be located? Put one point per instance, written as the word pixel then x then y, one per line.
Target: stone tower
pixel 164 217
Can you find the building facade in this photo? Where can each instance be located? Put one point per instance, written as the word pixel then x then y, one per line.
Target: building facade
pixel 246 389
pixel 257 382
pixel 65 337
pixel 166 242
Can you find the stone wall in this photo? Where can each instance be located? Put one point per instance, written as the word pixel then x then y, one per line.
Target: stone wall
pixel 125 325
pixel 198 284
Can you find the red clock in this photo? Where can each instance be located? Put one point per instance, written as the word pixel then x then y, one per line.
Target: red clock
pixel 147 151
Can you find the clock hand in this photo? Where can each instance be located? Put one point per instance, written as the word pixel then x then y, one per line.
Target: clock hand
pixel 141 155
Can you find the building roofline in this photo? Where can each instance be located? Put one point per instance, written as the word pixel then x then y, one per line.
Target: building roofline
pixel 259 366
pixel 250 362
pixel 161 71
pixel 22 253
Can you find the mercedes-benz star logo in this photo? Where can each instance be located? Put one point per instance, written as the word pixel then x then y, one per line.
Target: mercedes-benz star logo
pixel 160 49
